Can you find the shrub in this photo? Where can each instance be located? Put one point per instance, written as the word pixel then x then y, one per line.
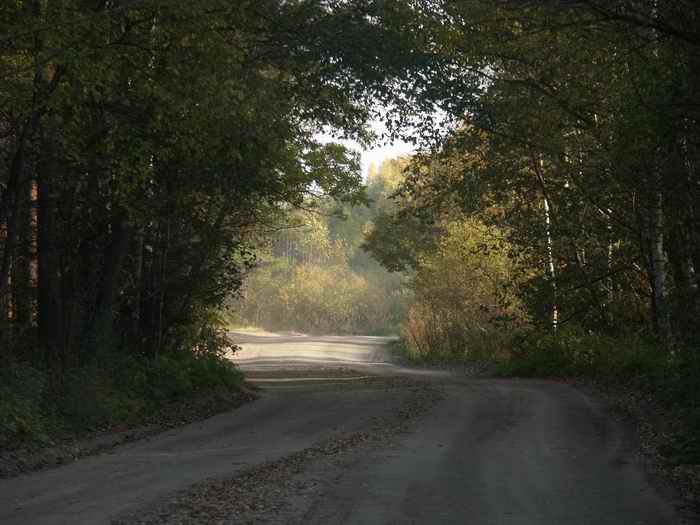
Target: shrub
pixel 91 399
pixel 210 369
pixel 182 373
pixel 574 352
pixel 117 389
pixel 22 390
pixel 465 305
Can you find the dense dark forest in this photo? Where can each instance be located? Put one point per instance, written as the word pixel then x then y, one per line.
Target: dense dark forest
pixel 153 153
pixel 143 146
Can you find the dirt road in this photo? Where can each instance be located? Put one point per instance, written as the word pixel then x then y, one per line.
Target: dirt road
pixel 341 435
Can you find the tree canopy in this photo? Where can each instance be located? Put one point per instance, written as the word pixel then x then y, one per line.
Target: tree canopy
pixel 148 148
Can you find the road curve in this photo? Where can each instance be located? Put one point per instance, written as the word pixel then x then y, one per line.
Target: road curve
pixel 497 452
pixel 491 452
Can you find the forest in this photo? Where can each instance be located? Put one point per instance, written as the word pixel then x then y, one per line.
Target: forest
pixel 162 177
pixel 314 274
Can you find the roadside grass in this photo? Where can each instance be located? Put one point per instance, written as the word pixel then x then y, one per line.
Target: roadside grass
pixel 114 392
pixel 463 363
pixel 403 351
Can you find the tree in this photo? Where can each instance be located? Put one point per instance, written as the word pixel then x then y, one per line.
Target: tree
pixel 467 301
pixel 144 137
pixel 562 100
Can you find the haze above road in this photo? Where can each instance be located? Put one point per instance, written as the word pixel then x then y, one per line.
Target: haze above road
pixel 488 452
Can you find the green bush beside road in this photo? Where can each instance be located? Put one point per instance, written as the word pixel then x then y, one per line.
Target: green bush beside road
pixel 119 390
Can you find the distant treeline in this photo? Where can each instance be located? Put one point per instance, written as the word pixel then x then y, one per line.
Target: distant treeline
pixel 314 277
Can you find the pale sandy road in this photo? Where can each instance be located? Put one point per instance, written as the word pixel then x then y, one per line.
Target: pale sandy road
pixel 287 418
pixel 296 356
pixel 491 452
pixel 274 352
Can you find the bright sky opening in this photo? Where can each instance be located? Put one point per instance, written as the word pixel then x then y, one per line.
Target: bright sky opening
pixel 378 154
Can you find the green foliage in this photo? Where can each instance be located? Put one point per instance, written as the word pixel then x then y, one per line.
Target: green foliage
pixel 122 389
pixel 22 391
pixel 576 352
pixel 318 298
pixel 465 295
pixel 170 377
pixel 316 279
pixel 535 354
pixel 90 399
pixel 127 387
pixel 165 146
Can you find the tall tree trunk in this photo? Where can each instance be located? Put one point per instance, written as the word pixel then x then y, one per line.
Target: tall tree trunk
pixel 149 296
pixel 49 301
pixel 137 276
pixel 551 268
pixel 78 277
pixel 113 261
pixel 659 270
pixel 8 228
pixel 22 268
pixel 683 278
pixel 9 195
pixel 10 237
pixel 208 246
pixel 164 253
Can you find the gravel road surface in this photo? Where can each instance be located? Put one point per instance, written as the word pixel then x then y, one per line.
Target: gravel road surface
pixel 342 435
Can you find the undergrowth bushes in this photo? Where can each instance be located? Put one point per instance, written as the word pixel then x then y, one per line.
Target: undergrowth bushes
pixel 119 389
pixel 22 391
pixel 465 304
